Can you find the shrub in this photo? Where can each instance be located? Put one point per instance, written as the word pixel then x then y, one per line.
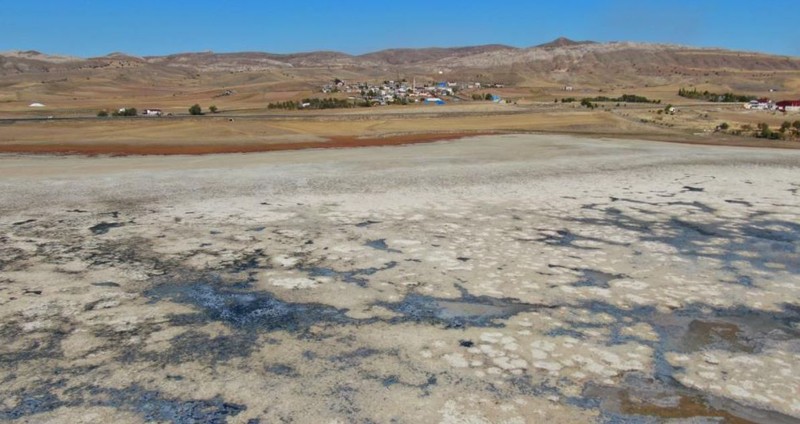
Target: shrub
pixel 128 111
pixel 196 109
pixel 724 126
pixel 763 130
pixel 213 109
pixel 102 114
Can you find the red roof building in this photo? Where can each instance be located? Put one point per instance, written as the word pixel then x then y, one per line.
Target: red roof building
pixel 788 106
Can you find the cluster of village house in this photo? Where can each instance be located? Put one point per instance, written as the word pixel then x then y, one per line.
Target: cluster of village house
pixel 767 104
pixel 391 91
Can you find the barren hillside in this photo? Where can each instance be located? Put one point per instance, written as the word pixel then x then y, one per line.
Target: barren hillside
pixel 257 77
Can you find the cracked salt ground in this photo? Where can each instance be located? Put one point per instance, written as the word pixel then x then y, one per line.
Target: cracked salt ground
pixel 501 289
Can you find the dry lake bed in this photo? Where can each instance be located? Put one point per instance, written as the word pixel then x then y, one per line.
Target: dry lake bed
pixel 501 279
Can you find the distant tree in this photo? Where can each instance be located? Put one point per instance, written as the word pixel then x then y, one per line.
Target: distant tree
pixel 796 124
pixel 102 114
pixel 488 96
pixel 724 126
pixel 785 126
pixel 128 111
pixel 196 109
pixel 213 109
pixel 763 130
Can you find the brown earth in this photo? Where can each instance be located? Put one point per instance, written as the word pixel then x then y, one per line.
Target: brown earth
pixel 241 85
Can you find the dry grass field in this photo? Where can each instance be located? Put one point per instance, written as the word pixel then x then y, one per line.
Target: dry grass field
pixel 241 85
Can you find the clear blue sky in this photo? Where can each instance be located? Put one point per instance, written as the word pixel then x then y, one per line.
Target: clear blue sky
pixel 155 27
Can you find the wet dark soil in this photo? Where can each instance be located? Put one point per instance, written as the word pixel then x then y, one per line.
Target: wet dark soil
pixel 466 311
pixel 104 227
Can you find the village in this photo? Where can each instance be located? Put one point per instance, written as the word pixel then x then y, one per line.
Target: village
pixel 403 92
pixel 769 105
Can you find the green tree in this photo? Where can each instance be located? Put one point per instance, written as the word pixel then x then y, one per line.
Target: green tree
pixel 764 131
pixel 196 109
pixel 128 111
pixel 213 109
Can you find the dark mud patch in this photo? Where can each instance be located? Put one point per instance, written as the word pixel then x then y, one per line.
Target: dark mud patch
pixel 248 262
pixel 698 205
pixel 356 276
pixel 263 311
pixel 465 311
pixel 27 221
pixel 380 244
pixel 703 335
pixel 739 202
pixel 694 328
pixel 106 284
pixel 592 278
pixel 699 327
pixel 367 223
pixel 282 370
pixel 31 346
pixel 562 238
pixel 153 406
pixel 781 232
pixel 50 394
pixel 757 239
pixel 642 400
pixel 197 346
pixel 425 387
pixel 352 358
pixel 32 402
pixel 13 258
pixel 104 227
pixel 254 310
pixel 687 226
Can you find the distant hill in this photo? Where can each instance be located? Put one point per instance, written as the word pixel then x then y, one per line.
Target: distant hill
pixel 427 55
pixel 561 61
pixel 564 42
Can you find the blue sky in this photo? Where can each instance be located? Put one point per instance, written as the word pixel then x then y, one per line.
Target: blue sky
pixel 155 27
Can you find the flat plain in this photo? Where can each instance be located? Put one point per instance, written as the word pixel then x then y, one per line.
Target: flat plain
pixel 500 278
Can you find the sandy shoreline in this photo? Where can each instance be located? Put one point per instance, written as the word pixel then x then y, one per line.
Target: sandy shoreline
pixel 503 278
